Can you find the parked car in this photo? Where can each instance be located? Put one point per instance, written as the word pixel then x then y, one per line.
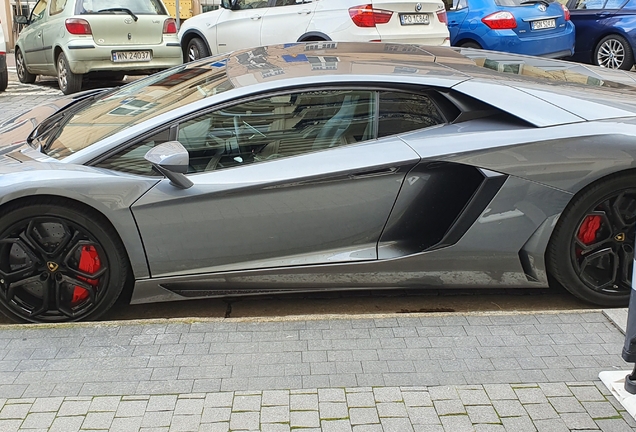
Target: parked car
pixel 243 24
pixel 605 32
pixel 531 27
pixel 72 39
pixel 324 166
pixel 4 73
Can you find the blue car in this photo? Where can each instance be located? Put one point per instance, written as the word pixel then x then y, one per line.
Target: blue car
pixel 605 32
pixel 532 27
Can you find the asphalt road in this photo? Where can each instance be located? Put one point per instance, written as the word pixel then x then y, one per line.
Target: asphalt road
pixel 352 302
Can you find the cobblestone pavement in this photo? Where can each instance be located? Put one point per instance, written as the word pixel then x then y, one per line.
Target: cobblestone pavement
pixel 513 372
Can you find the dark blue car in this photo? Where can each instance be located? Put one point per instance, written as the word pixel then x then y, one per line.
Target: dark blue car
pixel 605 32
pixel 532 27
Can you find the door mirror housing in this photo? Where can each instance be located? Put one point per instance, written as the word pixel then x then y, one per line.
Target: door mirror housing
pixel 172 160
pixel 21 19
pixel 229 4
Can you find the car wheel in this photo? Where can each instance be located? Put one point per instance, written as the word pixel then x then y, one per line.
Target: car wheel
pixel 471 44
pixel 591 252
pixel 58 263
pixel 614 52
pixel 69 82
pixel 4 80
pixel 20 66
pixel 197 50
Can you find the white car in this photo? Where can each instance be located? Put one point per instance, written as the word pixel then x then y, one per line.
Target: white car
pixel 4 74
pixel 242 24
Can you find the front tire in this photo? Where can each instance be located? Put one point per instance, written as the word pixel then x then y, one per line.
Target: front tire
pixel 591 252
pixel 58 263
pixel 614 52
pixel 196 50
pixel 68 81
pixel 24 75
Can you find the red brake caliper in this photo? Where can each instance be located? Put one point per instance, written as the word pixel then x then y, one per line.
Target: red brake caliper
pixel 88 263
pixel 589 228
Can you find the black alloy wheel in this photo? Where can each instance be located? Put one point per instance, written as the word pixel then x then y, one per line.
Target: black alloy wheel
pixel 592 251
pixel 57 265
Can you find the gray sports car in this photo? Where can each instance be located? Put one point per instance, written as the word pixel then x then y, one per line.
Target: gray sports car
pixel 322 166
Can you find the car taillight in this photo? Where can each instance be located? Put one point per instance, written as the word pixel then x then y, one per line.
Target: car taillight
pixel 441 16
pixel 366 16
pixel 169 26
pixel 566 12
pixel 78 26
pixel 500 21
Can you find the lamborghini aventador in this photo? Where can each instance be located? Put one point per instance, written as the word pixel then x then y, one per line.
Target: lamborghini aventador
pixel 322 166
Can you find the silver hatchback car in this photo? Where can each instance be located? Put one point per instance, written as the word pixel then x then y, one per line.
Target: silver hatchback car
pixel 104 38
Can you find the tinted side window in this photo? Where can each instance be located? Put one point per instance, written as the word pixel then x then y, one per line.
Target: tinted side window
pixel 588 4
pixel 405 112
pixel 132 159
pixel 276 127
pixel 614 4
pixel 290 2
pixel 251 4
pixel 39 11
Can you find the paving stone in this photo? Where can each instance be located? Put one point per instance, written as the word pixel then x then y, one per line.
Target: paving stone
pixel 600 410
pixel 474 397
pixel 67 424
pixel 275 397
pixel 568 404
pixel 156 419
pixel 14 411
pixel 39 420
pixel 449 407
pixel 303 402
pixel 331 395
pixel 518 424
pixel 587 393
pixel 186 423
pixel 224 399
pixel 541 411
pixel 335 426
pixel 361 400
pixel 304 419
pixel 443 392
pixel 551 425
pixel 530 395
pixel 131 408
pixel 482 414
pixel 215 415
pixel 500 391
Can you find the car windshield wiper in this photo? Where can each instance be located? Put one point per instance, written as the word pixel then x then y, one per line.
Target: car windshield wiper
pixel 128 11
pixel 60 118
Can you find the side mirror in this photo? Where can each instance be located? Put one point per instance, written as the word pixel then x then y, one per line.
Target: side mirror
pixel 21 19
pixel 171 159
pixel 228 4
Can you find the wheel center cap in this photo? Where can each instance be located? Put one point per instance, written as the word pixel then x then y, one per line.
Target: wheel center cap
pixel 52 266
pixel 620 237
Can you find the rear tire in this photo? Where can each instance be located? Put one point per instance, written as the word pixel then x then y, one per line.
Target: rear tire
pixel 196 50
pixel 24 75
pixel 591 252
pixel 68 81
pixel 59 262
pixel 614 52
pixel 4 80
pixel 471 44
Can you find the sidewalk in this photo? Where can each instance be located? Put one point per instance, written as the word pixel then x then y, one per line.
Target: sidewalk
pixel 421 372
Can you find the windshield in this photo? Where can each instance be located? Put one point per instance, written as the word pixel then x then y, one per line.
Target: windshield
pixel 141 7
pixel 137 102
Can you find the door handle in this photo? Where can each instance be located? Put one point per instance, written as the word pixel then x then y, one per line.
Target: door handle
pixel 40 34
pixel 256 17
pixel 304 12
pixel 374 173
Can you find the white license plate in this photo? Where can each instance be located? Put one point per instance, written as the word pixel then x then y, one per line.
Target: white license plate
pixel 543 24
pixel 131 56
pixel 411 19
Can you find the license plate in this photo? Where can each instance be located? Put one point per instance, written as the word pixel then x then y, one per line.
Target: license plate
pixel 543 24
pixel 411 19
pixel 131 56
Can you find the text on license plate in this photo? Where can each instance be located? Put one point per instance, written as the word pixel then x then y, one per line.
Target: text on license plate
pixel 410 19
pixel 543 24
pixel 131 56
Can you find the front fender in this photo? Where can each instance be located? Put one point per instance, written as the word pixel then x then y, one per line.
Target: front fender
pixel 109 193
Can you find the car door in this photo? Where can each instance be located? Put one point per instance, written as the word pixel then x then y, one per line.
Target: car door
pixel 52 28
pixel 287 21
pixel 33 45
pixel 587 16
pixel 240 27
pixel 456 16
pixel 282 180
